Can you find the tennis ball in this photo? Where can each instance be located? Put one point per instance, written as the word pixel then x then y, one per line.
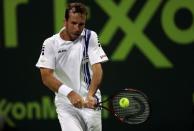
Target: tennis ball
pixel 124 102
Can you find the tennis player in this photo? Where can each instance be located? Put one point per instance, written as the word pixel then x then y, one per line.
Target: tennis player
pixel 70 66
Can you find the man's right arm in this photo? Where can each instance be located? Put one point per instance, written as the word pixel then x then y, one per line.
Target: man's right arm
pixel 55 85
pixel 49 80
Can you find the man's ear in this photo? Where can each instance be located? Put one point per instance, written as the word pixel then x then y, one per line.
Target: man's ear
pixel 65 22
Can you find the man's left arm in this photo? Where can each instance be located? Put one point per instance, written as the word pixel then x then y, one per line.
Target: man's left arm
pixel 96 57
pixel 94 85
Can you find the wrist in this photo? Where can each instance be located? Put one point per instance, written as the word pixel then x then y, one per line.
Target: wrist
pixel 64 90
pixel 91 93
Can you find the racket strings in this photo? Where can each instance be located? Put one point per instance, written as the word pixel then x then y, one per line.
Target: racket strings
pixel 136 112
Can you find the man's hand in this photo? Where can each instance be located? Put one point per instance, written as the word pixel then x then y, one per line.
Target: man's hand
pixel 90 102
pixel 76 99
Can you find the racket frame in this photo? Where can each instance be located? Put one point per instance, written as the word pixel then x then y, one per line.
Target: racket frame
pixel 110 106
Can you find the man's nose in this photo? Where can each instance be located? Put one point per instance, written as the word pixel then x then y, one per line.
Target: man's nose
pixel 77 28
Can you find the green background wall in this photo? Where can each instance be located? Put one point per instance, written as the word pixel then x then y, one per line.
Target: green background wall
pixel 149 43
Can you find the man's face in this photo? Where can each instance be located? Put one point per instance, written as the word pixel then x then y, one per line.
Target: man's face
pixel 75 25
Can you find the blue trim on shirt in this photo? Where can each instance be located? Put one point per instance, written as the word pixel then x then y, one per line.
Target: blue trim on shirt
pixel 87 76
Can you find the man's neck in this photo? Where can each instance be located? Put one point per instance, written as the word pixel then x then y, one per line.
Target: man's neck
pixel 64 35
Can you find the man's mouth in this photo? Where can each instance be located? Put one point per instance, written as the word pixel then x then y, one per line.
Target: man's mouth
pixel 76 34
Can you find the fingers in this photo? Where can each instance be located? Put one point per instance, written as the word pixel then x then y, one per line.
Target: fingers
pixel 75 99
pixel 77 103
pixel 90 102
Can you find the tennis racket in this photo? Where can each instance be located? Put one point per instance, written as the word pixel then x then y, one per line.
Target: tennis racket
pixel 137 110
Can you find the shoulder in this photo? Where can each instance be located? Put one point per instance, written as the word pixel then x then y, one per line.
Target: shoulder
pixel 92 32
pixel 50 40
pixel 93 40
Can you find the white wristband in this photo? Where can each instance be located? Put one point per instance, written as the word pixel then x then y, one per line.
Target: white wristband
pixel 64 90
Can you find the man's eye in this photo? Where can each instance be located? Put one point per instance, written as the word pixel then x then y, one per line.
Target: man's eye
pixel 81 24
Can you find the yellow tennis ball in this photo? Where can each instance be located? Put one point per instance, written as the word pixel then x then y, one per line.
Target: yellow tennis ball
pixel 124 102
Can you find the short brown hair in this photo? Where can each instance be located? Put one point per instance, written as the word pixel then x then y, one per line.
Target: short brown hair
pixel 75 8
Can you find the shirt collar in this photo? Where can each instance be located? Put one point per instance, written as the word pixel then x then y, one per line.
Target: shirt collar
pixel 60 40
